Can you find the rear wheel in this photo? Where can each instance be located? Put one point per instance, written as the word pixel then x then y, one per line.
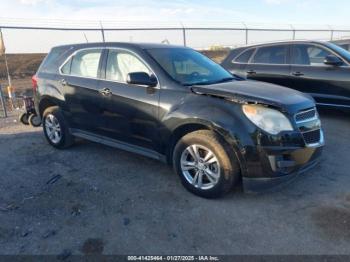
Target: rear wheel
pixel 207 166
pixel 56 128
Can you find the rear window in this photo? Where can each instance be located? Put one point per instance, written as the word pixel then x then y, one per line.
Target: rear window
pixel 244 57
pixel 51 61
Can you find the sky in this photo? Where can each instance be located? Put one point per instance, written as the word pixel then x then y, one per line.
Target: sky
pixel 278 13
pixel 268 11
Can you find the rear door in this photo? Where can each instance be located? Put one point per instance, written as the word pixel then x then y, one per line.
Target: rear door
pixel 80 84
pixel 237 65
pixel 270 64
pixel 132 110
pixel 327 84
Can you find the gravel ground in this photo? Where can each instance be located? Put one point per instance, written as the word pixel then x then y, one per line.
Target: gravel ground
pixel 96 199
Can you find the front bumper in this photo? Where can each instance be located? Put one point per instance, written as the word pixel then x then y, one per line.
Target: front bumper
pixel 279 165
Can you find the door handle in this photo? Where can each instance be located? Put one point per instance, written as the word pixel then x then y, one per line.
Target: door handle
pixel 63 82
pixel 105 91
pixel 297 74
pixel 251 72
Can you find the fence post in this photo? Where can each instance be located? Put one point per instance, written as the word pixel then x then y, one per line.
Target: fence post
pixel 293 31
pixel 331 30
pixel 102 32
pixel 184 34
pixel 3 102
pixel 246 36
pixel 246 33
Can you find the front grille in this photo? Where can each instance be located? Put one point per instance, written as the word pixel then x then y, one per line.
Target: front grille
pixel 306 120
pixel 306 115
pixel 312 137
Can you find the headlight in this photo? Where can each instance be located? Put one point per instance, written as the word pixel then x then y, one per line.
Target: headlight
pixel 269 120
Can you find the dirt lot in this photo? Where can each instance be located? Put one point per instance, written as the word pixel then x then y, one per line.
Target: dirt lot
pixel 96 199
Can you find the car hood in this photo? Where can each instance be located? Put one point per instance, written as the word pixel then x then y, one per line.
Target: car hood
pixel 258 92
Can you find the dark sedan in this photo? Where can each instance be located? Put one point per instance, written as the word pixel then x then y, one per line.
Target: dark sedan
pixel 321 69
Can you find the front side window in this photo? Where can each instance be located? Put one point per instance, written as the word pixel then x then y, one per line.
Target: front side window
pixel 271 55
pixel 305 54
pixel 85 63
pixel 244 57
pixel 121 63
pixel 189 67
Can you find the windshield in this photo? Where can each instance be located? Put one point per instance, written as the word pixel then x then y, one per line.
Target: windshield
pixel 344 53
pixel 189 67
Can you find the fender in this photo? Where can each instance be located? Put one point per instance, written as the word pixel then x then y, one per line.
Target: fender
pixel 203 112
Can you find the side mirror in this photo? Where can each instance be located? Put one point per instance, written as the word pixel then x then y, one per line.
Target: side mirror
pixel 333 60
pixel 141 78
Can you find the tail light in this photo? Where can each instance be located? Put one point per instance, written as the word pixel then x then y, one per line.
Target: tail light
pixel 35 83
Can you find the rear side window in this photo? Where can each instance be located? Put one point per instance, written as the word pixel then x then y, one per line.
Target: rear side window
pixel 244 57
pixel 271 55
pixel 84 64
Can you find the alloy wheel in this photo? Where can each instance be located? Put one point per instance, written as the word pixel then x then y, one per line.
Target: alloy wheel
pixel 200 167
pixel 53 129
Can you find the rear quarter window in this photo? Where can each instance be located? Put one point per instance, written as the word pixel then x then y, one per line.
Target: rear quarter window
pixel 51 62
pixel 244 57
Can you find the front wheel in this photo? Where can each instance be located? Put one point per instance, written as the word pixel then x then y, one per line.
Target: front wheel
pixel 207 166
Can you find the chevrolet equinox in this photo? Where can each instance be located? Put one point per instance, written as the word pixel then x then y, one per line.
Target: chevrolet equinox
pixel 176 105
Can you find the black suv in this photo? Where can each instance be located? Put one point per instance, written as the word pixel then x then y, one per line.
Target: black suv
pixel 320 69
pixel 178 106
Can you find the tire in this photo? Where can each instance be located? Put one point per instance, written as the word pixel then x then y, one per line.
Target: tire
pixel 23 118
pixel 34 120
pixel 222 164
pixel 56 129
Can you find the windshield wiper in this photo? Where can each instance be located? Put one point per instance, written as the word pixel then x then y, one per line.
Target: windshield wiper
pixel 223 80
pixel 227 79
pixel 198 84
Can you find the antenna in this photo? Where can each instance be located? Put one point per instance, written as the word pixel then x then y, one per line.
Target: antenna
pixel 87 41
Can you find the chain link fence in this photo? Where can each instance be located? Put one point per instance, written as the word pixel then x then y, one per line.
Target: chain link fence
pixel 27 41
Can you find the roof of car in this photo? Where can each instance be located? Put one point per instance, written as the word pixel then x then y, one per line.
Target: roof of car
pixel 121 44
pixel 284 42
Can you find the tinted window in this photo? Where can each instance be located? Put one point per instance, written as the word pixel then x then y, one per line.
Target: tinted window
pixel 309 55
pixel 271 55
pixel 244 57
pixel 189 67
pixel 121 63
pixel 85 63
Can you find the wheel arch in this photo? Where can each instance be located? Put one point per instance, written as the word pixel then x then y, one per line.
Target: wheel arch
pixel 44 103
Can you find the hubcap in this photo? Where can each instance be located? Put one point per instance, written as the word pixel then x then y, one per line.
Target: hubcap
pixel 200 167
pixel 53 129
